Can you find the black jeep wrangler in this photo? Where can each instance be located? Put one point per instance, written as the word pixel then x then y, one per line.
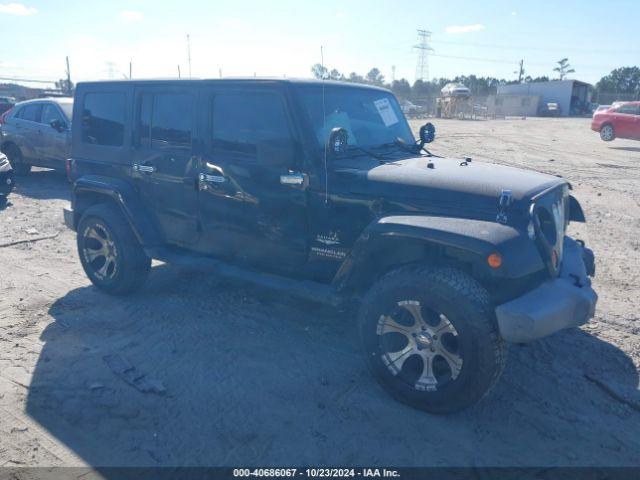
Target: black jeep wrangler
pixel 320 190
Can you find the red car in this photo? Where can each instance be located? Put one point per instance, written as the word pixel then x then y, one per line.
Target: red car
pixel 620 121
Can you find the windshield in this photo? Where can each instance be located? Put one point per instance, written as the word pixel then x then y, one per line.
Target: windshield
pixel 371 117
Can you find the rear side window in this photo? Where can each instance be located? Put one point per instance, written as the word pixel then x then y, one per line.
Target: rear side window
pixel 31 112
pixel 242 120
pixel 103 116
pixel 166 120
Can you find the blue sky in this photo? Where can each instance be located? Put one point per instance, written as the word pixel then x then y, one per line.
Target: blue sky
pixel 282 37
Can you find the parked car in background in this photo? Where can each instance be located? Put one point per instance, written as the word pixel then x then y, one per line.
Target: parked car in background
pixel 6 179
pixel 37 133
pixel 620 121
pixel 6 103
pixel 551 109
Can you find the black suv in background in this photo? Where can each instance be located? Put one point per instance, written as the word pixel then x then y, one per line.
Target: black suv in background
pixel 320 190
pixel 37 133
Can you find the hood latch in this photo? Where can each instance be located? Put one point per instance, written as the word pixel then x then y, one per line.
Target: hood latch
pixel 503 205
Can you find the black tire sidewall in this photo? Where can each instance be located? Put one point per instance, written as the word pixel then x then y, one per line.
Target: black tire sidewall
pixel 476 345
pixel 16 159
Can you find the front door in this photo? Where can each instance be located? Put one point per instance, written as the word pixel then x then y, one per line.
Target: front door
pixel 164 163
pixel 54 143
pixel 246 209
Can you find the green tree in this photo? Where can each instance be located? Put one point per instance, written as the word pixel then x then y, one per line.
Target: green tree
pixel 401 88
pixel 620 80
pixel 355 78
pixel 563 68
pixel 375 77
pixel 335 75
pixel 319 72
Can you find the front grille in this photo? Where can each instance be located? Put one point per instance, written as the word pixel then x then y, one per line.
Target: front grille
pixel 550 221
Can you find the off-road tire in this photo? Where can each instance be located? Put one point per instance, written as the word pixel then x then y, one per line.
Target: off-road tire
pixel 16 159
pixel 466 305
pixel 607 132
pixel 131 264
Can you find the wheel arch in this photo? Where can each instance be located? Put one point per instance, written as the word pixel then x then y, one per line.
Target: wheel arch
pixel 93 190
pixel 464 244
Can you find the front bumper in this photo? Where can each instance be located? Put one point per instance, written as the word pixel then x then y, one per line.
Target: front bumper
pixel 567 301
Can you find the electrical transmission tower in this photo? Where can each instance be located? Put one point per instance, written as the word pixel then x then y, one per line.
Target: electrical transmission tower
pixel 423 48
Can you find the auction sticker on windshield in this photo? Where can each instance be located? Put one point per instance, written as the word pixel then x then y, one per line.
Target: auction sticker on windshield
pixel 387 114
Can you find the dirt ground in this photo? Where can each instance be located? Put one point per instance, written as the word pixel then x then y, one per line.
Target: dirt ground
pixel 229 375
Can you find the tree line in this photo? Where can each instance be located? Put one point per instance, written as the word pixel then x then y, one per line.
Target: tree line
pixel 623 80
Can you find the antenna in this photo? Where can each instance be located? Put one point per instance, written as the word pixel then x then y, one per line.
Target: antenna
pixel 189 53
pixel 68 78
pixel 324 130
pixel 423 48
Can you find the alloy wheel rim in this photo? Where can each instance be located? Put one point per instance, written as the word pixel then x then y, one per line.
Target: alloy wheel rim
pixel 607 132
pixel 428 336
pixel 100 252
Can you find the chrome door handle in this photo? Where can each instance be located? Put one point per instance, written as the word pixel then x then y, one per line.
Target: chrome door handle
pixel 293 178
pixel 144 168
pixel 205 177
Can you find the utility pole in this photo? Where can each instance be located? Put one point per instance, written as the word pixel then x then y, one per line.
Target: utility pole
pixel 68 78
pixel 130 69
pixel 393 73
pixel 189 53
pixel 520 72
pixel 179 72
pixel 423 48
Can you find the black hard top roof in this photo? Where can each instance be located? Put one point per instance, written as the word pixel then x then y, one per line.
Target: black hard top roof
pixel 234 80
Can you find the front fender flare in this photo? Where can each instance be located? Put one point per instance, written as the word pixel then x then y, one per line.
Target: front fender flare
pixel 470 240
pixel 125 197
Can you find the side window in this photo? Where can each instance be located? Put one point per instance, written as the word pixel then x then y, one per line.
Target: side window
pixel 31 112
pixel 165 120
pixel 171 119
pixel 628 109
pixel 103 116
pixel 242 120
pixel 50 113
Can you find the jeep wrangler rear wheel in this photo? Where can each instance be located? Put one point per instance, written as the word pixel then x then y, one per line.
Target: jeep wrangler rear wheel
pixel 431 339
pixel 111 256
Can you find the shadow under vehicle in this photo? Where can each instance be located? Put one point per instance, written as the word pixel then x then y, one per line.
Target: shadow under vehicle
pixel 319 189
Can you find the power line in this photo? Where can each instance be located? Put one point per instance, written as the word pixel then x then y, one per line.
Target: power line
pixel 423 48
pixel 535 48
pixel 27 80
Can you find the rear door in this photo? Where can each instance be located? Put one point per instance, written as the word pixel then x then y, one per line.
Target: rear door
pixel 625 121
pixel 245 209
pixel 27 128
pixel 164 163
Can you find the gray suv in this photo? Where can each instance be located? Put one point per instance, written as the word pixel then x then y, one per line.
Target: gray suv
pixel 37 133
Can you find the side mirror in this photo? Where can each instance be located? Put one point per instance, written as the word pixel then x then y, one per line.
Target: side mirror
pixel 276 153
pixel 58 125
pixel 338 141
pixel 427 133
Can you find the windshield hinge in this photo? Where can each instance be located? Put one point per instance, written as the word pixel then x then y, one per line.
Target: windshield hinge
pixel 503 206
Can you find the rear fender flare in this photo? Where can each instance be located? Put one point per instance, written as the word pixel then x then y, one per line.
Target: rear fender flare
pixel 87 187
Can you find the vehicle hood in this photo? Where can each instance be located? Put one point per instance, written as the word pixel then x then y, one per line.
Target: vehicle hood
pixel 446 186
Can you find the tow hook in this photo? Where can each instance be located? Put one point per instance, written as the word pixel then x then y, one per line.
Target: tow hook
pixel 503 204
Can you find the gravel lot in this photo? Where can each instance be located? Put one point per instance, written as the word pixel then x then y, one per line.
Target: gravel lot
pixel 229 375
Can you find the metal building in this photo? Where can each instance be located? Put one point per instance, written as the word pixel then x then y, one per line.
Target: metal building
pixel 571 95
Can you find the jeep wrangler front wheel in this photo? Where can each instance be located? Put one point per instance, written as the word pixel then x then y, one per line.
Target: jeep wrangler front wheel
pixel 110 254
pixel 430 338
